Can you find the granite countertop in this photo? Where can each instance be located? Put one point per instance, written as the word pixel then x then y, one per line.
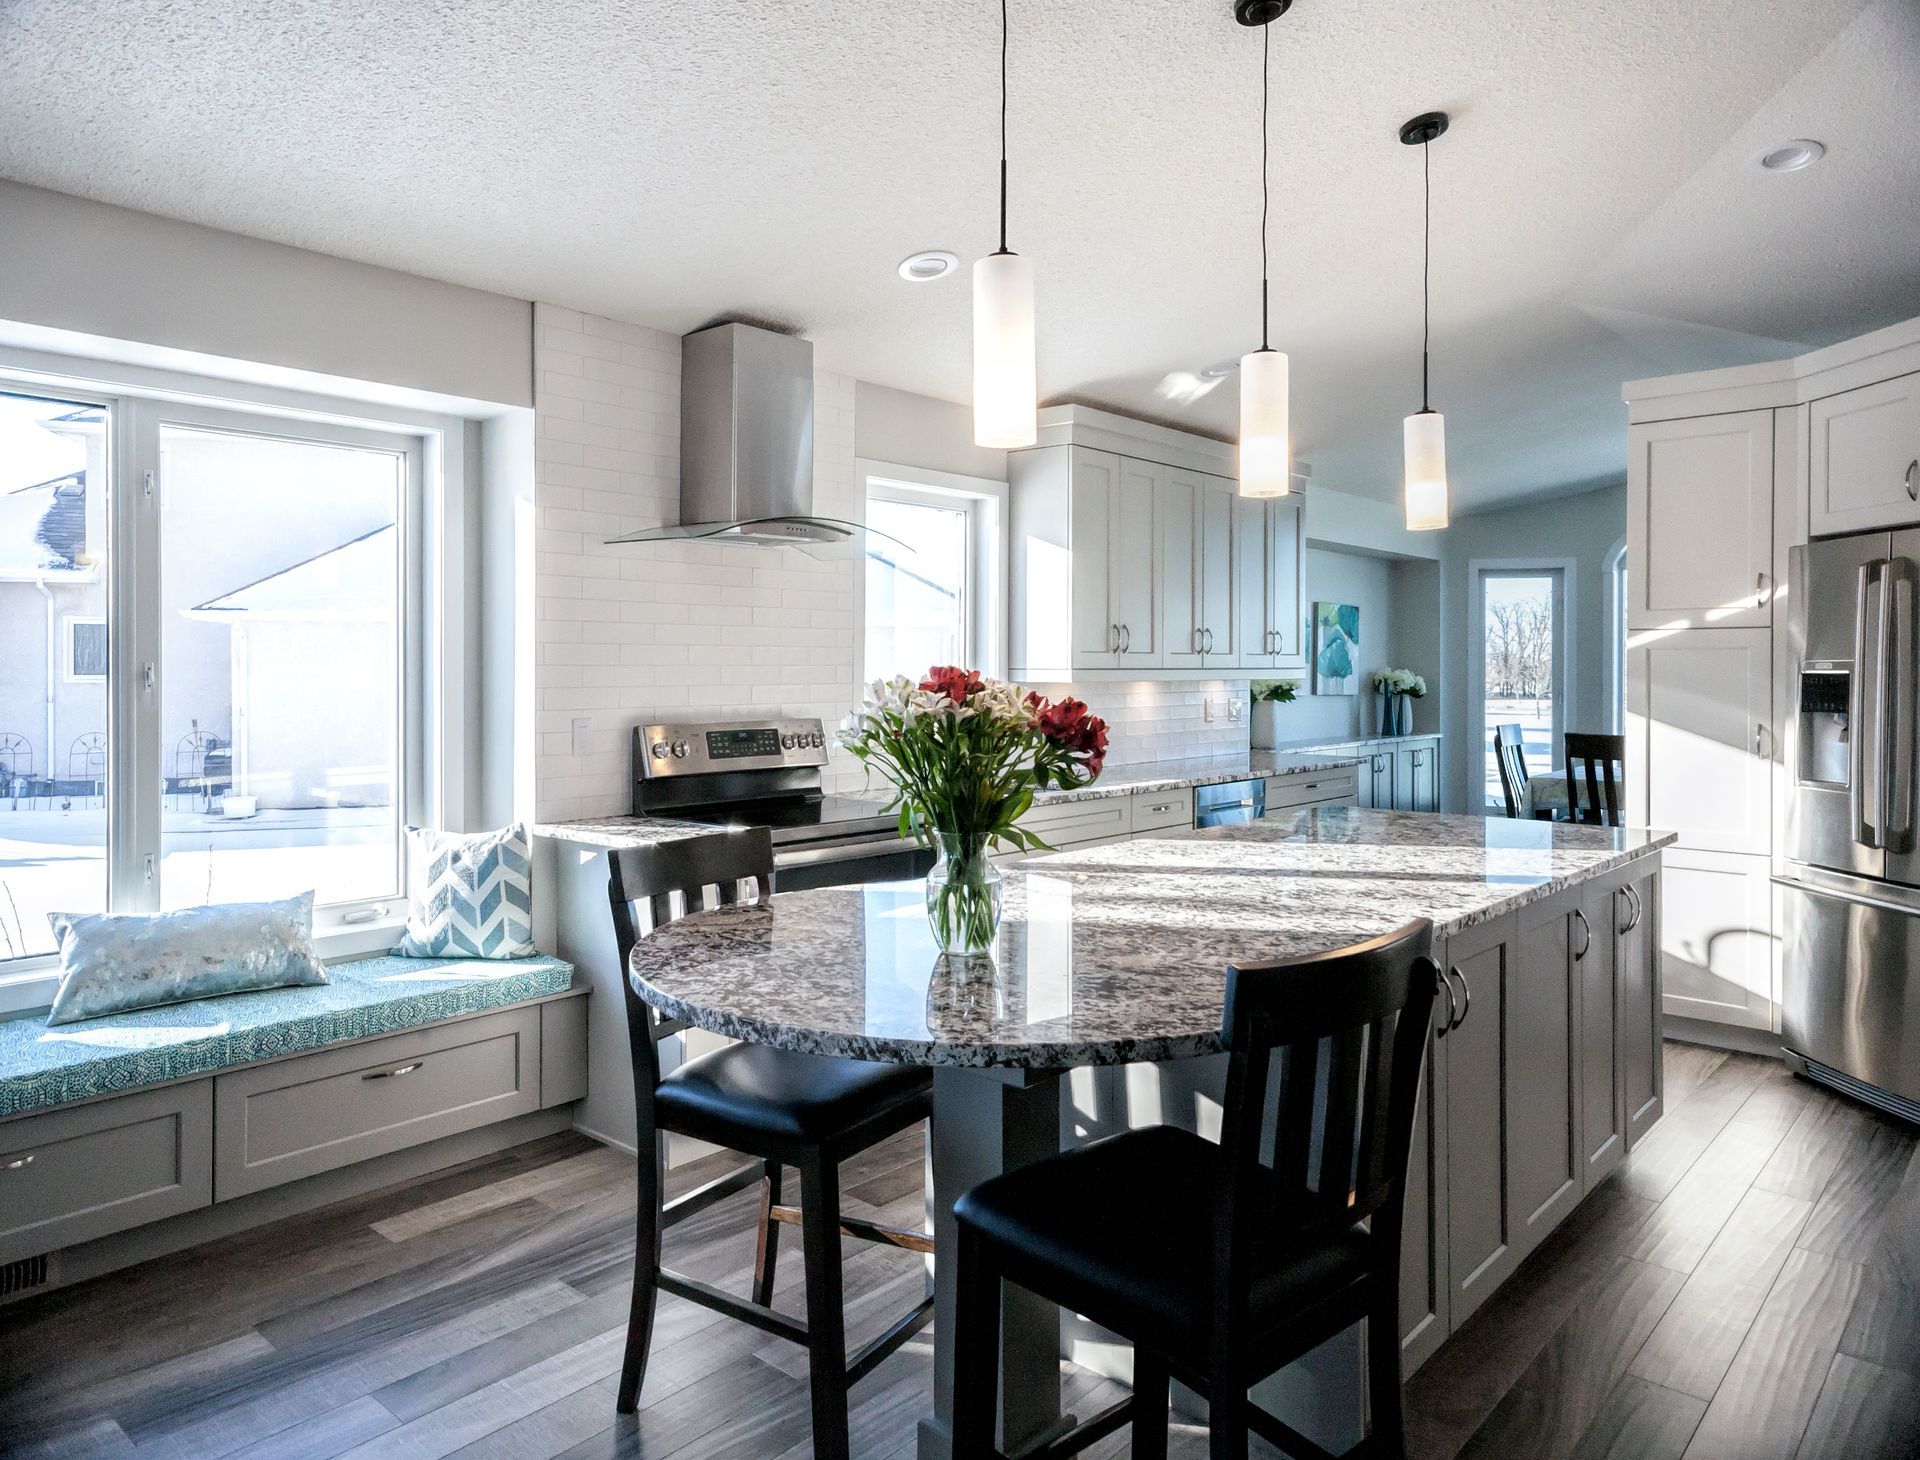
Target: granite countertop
pixel 1113 954
pixel 1324 742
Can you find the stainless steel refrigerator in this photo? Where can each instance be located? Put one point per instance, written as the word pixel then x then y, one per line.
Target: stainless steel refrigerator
pixel 1851 877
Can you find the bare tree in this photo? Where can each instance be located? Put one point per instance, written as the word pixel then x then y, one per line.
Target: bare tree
pixel 1520 649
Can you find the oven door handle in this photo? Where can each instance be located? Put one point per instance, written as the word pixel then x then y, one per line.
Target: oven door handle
pixel 849 851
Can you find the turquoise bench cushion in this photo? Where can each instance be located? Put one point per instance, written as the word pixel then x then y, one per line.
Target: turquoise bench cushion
pixel 42 1066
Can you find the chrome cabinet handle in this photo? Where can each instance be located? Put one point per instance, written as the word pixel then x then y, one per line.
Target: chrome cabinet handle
pixel 1466 989
pixel 393 1074
pixel 19 1163
pixel 1762 739
pixel 1913 480
pixel 1762 587
pixel 1639 908
pixel 1163 806
pixel 1126 638
pixel 1586 937
pixel 1452 1004
pixel 1113 638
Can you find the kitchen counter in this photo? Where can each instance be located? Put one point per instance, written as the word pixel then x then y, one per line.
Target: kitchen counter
pixel 1117 953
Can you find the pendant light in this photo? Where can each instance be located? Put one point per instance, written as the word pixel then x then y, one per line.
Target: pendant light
pixel 1005 391
pixel 1426 428
pixel 1266 453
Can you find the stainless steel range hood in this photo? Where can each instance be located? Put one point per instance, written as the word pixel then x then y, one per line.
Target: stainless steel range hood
pixel 746 442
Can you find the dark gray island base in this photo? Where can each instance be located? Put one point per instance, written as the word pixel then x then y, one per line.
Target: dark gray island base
pixel 1101 1011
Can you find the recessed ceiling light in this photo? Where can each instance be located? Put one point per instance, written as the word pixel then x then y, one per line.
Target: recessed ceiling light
pixel 1792 156
pixel 926 266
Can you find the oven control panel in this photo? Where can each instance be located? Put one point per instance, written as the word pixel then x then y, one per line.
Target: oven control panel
pixel 703 748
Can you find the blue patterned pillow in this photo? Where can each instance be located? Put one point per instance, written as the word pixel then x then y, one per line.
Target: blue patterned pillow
pixel 110 962
pixel 468 896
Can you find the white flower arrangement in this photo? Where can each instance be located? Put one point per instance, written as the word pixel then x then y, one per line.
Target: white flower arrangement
pixel 1399 682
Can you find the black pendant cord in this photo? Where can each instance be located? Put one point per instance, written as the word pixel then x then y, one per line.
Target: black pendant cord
pixel 1266 53
pixel 1426 272
pixel 1003 126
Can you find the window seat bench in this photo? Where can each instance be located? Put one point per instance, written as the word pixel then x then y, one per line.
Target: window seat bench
pixel 125 1120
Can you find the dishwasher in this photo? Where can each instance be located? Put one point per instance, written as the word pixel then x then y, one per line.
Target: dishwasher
pixel 1230 803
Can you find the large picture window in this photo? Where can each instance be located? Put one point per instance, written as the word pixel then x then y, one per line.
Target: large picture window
pixel 205 687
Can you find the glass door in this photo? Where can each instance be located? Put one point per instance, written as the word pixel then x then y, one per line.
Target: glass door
pixel 1522 653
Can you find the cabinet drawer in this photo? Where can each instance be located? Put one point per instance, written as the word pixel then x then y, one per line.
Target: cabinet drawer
pixel 1163 810
pixel 72 1175
pixel 1082 821
pixel 283 1121
pixel 1310 789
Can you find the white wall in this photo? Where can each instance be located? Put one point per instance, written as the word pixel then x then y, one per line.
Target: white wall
pixel 905 429
pixel 632 634
pixel 96 270
pixel 1367 583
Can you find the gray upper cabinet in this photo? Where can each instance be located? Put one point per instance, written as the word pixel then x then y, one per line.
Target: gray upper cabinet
pixel 1197 605
pixel 1269 582
pixel 1863 468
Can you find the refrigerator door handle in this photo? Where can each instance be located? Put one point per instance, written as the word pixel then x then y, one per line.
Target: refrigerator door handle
pixel 1864 832
pixel 1896 719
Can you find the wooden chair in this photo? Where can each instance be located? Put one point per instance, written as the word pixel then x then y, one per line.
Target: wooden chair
pixel 1219 1268
pixel 1509 750
pixel 785 1109
pixel 1591 760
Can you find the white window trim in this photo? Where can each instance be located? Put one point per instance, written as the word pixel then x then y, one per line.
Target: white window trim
pixel 1566 654
pixel 68 623
pixel 436 759
pixel 985 501
pixel 1616 608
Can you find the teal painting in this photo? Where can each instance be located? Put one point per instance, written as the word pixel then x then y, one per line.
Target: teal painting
pixel 1336 649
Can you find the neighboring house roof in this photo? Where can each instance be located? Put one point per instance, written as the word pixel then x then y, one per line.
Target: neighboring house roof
pixel 353 581
pixel 43 529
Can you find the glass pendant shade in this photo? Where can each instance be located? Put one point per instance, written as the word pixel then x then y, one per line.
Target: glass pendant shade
pixel 1426 494
pixel 1005 393
pixel 1266 454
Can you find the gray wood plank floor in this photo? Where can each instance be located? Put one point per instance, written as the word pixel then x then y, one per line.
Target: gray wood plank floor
pixel 1748 1286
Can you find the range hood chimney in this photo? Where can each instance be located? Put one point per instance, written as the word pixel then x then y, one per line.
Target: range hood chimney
pixel 746 442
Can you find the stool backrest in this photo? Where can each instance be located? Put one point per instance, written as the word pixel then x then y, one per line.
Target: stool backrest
pixel 1509 750
pixel 641 885
pixel 1350 1028
pixel 1590 764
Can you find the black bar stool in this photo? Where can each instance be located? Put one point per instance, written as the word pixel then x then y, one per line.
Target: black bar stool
pixel 799 1110
pixel 1217 1267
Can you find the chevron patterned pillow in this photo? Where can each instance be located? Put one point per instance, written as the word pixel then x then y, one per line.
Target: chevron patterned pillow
pixel 468 896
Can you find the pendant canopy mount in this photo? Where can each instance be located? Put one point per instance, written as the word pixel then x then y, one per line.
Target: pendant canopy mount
pixel 1425 128
pixel 1260 12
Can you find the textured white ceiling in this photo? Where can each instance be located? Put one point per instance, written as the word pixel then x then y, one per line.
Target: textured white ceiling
pixel 1596 214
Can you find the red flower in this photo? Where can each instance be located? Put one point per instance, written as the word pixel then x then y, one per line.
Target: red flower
pixel 1068 725
pixel 953 682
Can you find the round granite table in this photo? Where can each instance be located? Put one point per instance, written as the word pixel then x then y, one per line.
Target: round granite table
pixel 1112 956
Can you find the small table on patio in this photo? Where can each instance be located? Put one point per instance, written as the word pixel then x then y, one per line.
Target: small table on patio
pixel 1547 791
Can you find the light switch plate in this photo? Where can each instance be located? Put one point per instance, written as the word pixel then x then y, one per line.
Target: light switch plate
pixel 582 738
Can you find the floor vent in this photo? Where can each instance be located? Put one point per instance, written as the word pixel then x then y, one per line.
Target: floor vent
pixel 1897 1105
pixel 28 1272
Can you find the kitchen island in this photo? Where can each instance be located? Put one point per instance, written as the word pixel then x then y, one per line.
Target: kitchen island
pixel 1110 970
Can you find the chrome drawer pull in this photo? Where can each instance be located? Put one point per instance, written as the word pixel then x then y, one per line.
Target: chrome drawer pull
pixel 18 1162
pixel 1466 1002
pixel 393 1074
pixel 1163 806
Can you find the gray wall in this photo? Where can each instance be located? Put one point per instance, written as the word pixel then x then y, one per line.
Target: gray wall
pixel 917 430
pixel 1585 528
pixel 1368 583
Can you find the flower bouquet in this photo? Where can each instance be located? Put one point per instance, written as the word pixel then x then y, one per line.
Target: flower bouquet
pixel 1397 687
pixel 965 755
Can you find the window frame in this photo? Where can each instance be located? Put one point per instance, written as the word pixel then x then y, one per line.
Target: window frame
pixel 984 500
pixel 1563 572
pixel 435 743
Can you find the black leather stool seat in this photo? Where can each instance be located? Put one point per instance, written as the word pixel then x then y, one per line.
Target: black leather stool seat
pixel 732 1095
pixel 1122 1231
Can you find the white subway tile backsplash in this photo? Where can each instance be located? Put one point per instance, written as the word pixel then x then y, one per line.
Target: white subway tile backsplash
pixel 1153 720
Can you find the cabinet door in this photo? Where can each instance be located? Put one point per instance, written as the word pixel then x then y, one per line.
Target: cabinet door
pixel 1096 628
pixel 1377 778
pixel 1864 467
pixel 1423 1233
pixel 1543 1071
pixel 1715 933
pixel 1700 522
pixel 1698 708
pixel 1287 581
pixel 1218 642
pixel 1133 562
pixel 1637 956
pixel 1482 1245
pixel 1252 630
pixel 1603 914
pixel 1179 529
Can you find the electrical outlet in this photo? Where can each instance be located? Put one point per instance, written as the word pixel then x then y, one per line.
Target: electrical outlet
pixel 1233 708
pixel 582 738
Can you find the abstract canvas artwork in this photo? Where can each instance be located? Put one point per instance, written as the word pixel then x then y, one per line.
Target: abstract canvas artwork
pixel 1336 649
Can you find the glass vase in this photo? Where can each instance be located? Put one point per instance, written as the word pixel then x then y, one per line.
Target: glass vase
pixel 1388 716
pixel 1403 715
pixel 964 894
